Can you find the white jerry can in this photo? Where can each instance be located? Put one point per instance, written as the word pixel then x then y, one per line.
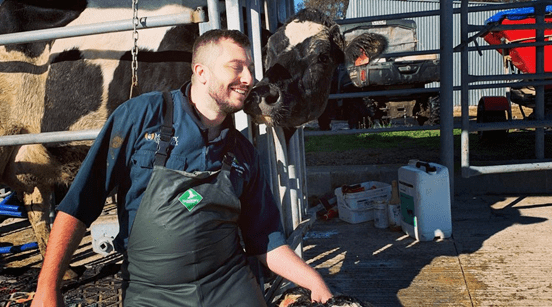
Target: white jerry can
pixel 425 200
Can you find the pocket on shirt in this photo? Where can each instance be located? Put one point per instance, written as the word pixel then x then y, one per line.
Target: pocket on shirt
pixel 143 159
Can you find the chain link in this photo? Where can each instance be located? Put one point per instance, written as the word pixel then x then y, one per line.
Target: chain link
pixel 134 50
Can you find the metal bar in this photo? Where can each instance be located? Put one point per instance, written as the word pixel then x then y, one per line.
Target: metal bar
pixel 471 127
pixel 280 148
pixel 512 124
pixel 308 133
pixel 467 126
pixel 530 26
pixel 509 46
pixel 540 9
pixel 382 93
pixel 294 186
pixel 479 8
pixel 48 137
pixel 507 84
pixel 446 90
pixel 233 9
pixel 102 27
pixel 271 15
pixel 508 168
pixel 464 95
pixel 538 76
pixel 409 53
pixel 214 14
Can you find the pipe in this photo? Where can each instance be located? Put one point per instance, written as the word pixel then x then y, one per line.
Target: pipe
pixel 14 208
pixel 13 213
pixel 6 199
pixel 103 27
pixel 508 168
pixel 48 137
pixel 18 248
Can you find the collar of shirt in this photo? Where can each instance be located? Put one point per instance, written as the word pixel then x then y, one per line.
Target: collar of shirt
pixel 226 125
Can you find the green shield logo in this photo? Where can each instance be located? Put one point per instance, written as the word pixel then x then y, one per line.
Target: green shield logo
pixel 190 199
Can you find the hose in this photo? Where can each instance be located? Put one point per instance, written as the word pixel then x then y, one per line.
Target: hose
pixel 18 248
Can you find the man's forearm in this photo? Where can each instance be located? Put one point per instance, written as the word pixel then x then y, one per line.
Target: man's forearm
pixel 67 233
pixel 284 262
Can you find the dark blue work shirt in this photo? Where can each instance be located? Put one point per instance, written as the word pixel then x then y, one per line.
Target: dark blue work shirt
pixel 122 157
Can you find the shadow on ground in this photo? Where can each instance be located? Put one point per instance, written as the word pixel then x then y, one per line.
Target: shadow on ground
pixel 387 268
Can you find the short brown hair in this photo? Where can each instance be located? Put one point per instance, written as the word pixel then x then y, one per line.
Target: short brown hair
pixel 214 36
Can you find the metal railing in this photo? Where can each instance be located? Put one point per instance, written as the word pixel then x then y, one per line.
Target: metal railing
pixel 196 16
pixel 468 84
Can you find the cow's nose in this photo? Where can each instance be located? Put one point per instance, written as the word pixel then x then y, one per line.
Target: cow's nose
pixel 272 96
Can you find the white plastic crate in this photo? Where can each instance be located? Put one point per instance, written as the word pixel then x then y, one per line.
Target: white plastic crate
pixel 355 216
pixel 357 207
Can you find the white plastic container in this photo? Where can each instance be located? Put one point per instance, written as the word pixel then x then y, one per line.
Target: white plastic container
pixel 355 216
pixel 357 207
pixel 425 200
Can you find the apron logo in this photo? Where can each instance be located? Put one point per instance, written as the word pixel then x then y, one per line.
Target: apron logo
pixel 190 199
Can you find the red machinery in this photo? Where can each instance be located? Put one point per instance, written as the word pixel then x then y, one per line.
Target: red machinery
pixel 521 59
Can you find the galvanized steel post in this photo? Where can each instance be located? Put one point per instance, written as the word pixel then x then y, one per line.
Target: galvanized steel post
pixel 446 90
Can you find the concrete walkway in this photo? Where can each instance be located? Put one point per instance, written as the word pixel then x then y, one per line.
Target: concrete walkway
pixel 498 255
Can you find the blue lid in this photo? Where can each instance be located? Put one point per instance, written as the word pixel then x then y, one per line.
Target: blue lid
pixel 516 14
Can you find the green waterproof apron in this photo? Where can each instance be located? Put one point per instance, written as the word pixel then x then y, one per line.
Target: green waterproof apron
pixel 184 247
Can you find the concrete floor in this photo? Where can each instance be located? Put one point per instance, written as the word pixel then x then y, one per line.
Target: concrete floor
pixel 498 255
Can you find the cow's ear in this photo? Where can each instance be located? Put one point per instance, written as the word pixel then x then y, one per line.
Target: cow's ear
pixel 365 48
pixel 337 42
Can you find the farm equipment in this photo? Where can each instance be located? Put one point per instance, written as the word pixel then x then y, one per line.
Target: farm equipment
pixel 517 60
pixel 394 70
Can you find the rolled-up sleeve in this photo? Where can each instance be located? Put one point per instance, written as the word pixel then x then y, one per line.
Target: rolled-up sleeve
pixel 260 220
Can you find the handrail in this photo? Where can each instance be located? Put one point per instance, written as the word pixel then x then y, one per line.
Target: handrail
pixel 103 27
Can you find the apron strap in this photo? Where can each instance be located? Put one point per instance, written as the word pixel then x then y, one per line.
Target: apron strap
pixel 229 156
pixel 167 131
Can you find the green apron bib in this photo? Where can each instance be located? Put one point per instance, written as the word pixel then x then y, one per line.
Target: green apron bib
pixel 184 247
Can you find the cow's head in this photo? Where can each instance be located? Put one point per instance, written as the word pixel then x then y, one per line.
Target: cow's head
pixel 300 61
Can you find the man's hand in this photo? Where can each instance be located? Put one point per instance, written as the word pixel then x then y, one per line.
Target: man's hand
pixel 320 294
pixel 285 262
pixel 47 299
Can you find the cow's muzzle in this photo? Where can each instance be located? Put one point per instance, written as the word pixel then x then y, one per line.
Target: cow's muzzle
pixel 264 103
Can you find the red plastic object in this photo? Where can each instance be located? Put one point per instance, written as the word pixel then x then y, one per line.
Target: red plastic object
pixel 495 103
pixel 522 58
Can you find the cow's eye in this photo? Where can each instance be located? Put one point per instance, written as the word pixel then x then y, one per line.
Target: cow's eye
pixel 323 59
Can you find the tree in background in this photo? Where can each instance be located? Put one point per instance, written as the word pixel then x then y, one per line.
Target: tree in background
pixel 333 8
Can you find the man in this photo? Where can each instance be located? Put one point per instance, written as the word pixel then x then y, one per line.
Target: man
pixel 179 212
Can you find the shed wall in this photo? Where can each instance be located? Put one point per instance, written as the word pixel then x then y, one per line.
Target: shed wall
pixel 490 63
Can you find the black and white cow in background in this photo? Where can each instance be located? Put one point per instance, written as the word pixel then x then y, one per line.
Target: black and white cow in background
pixel 75 83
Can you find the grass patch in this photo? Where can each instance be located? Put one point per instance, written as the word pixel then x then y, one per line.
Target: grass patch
pixel 384 140
pixel 518 145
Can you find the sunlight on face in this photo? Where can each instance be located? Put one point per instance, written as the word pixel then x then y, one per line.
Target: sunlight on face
pixel 231 76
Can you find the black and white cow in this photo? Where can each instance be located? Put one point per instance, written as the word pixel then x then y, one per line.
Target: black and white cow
pixel 75 83
pixel 301 58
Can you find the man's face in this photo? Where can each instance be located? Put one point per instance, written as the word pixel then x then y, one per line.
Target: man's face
pixel 231 76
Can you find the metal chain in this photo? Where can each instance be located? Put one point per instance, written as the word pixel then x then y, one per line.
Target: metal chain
pixel 134 50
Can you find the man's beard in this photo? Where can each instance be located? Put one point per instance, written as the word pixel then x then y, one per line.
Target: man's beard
pixel 225 106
